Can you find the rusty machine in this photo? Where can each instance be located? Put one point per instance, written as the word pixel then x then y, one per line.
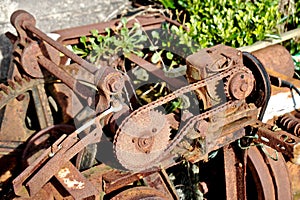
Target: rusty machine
pixel 74 130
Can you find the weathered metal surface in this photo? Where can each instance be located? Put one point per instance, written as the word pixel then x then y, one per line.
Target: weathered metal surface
pixel 235 172
pixel 69 148
pixel 42 140
pixel 290 122
pixel 115 180
pixel 75 183
pixel 232 88
pixel 160 181
pixel 279 140
pixel 269 185
pixel 262 179
pixel 72 35
pixel 281 181
pixel 142 140
pixel 276 58
pixel 140 193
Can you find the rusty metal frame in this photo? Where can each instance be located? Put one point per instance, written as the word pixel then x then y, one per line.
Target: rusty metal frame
pixel 55 163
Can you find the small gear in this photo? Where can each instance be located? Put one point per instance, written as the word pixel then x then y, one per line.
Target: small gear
pixel 141 140
pixel 239 85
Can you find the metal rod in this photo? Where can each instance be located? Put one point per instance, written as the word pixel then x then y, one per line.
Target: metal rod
pixel 65 77
pixel 86 65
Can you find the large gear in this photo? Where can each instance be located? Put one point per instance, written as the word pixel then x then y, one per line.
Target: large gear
pixel 17 87
pixel 142 140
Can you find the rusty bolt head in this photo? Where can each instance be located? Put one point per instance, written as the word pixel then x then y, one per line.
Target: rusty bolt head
pixel 241 85
pixel 115 84
pixel 112 82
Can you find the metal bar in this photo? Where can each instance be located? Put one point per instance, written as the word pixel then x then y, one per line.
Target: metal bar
pixel 42 106
pixel 86 65
pixel 75 183
pixel 163 174
pixel 65 77
pixel 175 83
pixel 125 180
pixel 19 180
pixel 262 44
pixel 71 35
pixel 235 173
pixel 70 147
pixel 280 140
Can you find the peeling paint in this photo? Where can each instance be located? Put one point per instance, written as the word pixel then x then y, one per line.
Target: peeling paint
pixel 74 184
pixel 63 172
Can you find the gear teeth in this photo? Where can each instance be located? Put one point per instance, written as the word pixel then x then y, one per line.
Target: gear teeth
pixel 11 84
pixel 16 87
pixel 26 78
pixel 4 88
pixel 226 87
pixel 18 80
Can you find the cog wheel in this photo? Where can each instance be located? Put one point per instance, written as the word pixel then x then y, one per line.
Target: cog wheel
pixel 141 140
pixel 239 85
pixel 16 88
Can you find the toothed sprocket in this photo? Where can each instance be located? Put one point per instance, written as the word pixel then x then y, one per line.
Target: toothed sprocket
pixel 142 139
pixel 240 84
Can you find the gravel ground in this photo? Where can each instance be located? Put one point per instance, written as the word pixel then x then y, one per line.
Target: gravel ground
pixel 53 15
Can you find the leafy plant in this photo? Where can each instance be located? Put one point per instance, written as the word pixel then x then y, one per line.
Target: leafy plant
pixel 123 41
pixel 291 21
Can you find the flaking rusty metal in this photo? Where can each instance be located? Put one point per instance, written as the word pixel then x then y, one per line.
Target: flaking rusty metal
pixel 232 86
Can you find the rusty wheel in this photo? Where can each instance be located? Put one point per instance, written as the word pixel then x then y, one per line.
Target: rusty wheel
pixel 254 174
pixel 270 177
pixel 258 176
pixel 140 193
pixel 262 92
pixel 42 140
pixel 236 174
pixel 142 140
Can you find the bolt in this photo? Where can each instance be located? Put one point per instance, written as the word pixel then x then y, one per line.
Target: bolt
pixel 244 87
pixel 115 84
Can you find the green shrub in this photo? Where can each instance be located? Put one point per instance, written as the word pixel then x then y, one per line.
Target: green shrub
pixel 291 21
pixel 234 23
